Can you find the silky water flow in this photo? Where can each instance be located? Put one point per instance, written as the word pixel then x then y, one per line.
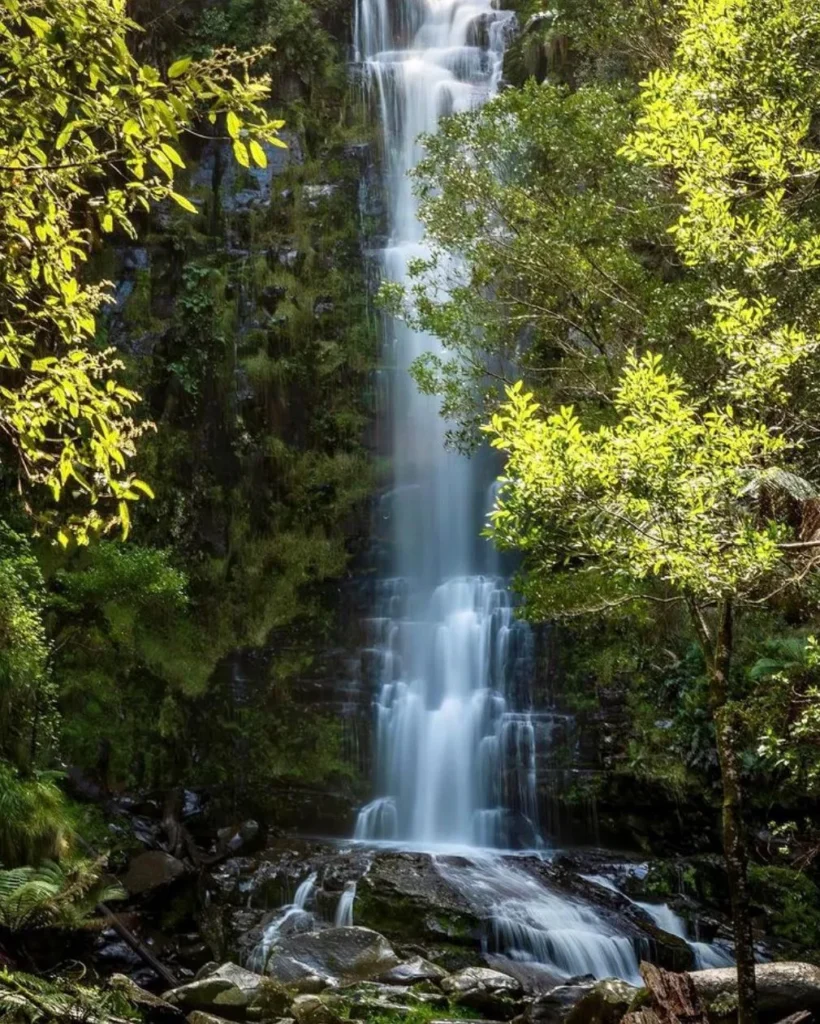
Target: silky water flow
pixel 456 736
pixel 455 759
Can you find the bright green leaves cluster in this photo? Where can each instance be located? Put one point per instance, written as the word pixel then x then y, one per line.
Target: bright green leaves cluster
pixel 731 120
pixel 731 117
pixel 549 251
pixel 656 497
pixel 89 136
pixel 26 693
pixel 660 494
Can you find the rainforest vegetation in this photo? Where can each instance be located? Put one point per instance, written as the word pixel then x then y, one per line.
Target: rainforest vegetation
pixel 624 270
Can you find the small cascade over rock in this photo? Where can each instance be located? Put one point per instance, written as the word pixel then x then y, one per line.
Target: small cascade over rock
pixel 290 920
pixel 344 911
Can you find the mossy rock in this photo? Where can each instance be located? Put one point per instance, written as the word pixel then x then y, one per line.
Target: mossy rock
pixel 404 897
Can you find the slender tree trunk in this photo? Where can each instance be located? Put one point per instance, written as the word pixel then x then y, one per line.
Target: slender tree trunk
pixel 734 850
pixel 718 652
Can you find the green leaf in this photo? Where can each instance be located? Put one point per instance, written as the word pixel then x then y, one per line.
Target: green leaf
pixel 259 155
pixel 162 161
pixel 186 204
pixel 172 155
pixel 65 135
pixel 233 124
pixel 141 485
pixel 240 151
pixel 179 67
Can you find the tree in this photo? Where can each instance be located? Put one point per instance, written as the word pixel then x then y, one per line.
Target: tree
pixel 90 137
pixel 663 502
pixel 550 254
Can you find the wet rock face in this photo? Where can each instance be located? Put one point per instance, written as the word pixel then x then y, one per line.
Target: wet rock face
pixel 606 1002
pixel 229 992
pixel 412 972
pixel 491 993
pixel 309 1009
pixel 334 955
pixel 404 896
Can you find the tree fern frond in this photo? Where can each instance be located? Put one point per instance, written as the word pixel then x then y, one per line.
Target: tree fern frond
pixel 51 896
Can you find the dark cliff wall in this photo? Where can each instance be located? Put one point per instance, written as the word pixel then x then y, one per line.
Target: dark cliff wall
pixel 248 330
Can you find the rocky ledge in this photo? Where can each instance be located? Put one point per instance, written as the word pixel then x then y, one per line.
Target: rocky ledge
pixel 353 973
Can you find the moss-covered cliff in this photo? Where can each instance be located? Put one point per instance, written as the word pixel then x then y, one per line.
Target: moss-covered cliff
pixel 184 655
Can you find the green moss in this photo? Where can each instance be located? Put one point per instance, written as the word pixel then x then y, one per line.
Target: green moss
pixel 137 312
pixel 791 901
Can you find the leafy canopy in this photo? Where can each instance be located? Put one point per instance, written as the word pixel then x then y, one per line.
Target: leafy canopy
pixel 661 491
pixel 654 497
pixel 89 138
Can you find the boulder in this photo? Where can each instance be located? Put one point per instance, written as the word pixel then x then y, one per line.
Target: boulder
pixel 413 971
pixel 311 1010
pixel 152 870
pixel 782 988
pixel 489 992
pixel 335 955
pixel 405 896
pixel 369 999
pixel 199 1017
pixel 553 1006
pixel 229 991
pixel 605 1003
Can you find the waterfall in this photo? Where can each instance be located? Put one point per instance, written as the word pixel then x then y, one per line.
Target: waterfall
pixel 451 665
pixel 290 919
pixel 446 642
pixel 344 911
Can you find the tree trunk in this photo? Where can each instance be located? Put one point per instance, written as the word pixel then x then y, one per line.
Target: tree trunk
pixel 734 838
pixel 734 850
pixel 718 654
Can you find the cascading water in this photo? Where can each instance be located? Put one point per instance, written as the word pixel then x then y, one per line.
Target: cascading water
pixel 293 917
pixel 446 641
pixel 456 745
pixel 344 911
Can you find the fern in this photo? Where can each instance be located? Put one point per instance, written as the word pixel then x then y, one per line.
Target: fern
pixel 26 999
pixel 52 896
pixel 34 816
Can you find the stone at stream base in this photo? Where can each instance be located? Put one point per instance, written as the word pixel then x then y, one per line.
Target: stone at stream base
pixel 404 896
pixel 554 1006
pixel 782 989
pixel 232 992
pixel 413 971
pixel 199 1017
pixel 311 1010
pixel 153 1009
pixel 491 993
pixel 152 870
pixel 606 1002
pixel 336 955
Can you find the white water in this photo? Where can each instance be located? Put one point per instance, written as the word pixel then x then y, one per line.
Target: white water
pixel 293 917
pixel 707 954
pixel 444 634
pixel 533 923
pixel 456 738
pixel 344 911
